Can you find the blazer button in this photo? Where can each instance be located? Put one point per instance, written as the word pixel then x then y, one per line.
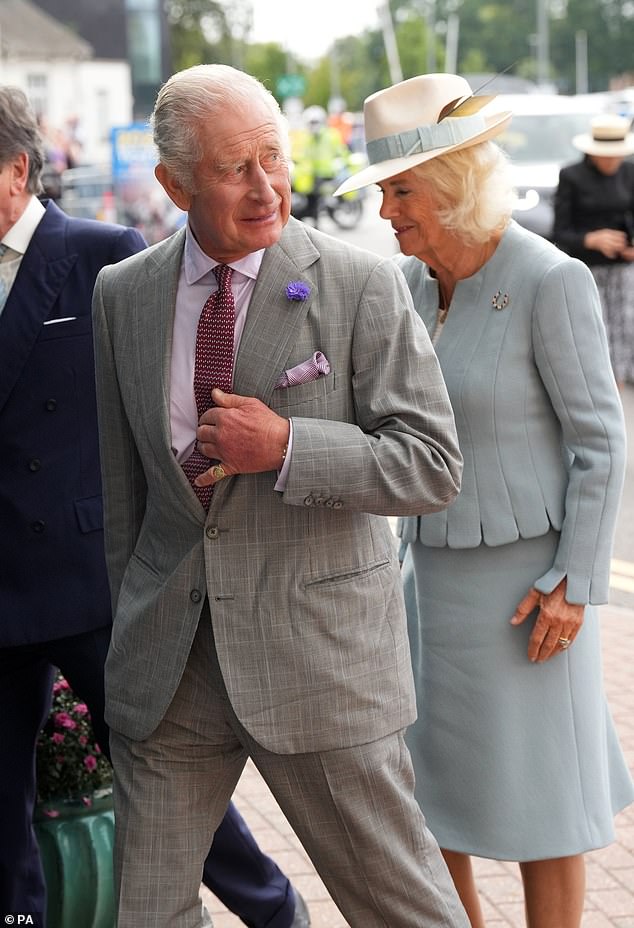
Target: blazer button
pixel 35 464
pixel 195 596
pixel 330 502
pixel 337 505
pixel 309 501
pixel 212 532
pixel 38 527
pixel 51 405
pixel 320 500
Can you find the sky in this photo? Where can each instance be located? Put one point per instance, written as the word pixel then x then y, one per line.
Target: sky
pixel 308 27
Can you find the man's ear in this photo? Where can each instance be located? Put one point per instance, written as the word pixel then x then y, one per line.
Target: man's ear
pixel 172 187
pixel 19 173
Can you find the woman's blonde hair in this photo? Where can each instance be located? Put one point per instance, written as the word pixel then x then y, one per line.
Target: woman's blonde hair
pixel 473 190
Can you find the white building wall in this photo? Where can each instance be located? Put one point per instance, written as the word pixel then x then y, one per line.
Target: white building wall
pixel 97 93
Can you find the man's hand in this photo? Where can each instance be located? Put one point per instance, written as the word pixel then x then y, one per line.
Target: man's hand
pixel 243 434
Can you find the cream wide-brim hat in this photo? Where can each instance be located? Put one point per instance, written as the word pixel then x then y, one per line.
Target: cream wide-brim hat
pixel 609 137
pixel 409 123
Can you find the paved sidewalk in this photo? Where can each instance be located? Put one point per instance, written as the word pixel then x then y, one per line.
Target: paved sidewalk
pixel 610 872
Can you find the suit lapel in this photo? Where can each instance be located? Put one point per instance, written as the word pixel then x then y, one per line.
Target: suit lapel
pixel 273 320
pixel 34 292
pixel 152 321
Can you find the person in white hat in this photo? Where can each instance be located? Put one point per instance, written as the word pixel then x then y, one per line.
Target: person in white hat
pixel 594 221
pixel 514 751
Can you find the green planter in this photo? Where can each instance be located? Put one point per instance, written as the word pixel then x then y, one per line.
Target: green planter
pixel 76 846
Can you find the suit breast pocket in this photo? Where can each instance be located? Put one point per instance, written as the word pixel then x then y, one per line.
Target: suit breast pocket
pixel 313 394
pixel 65 328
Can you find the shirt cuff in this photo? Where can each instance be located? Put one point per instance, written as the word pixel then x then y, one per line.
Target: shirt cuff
pixel 282 475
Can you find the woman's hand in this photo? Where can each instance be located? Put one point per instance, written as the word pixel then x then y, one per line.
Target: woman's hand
pixel 610 242
pixel 558 622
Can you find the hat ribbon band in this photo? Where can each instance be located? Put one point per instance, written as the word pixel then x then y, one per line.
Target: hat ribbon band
pixel 425 138
pixel 603 139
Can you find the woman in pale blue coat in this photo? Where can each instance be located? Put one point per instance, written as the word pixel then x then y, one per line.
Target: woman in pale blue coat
pixel 515 753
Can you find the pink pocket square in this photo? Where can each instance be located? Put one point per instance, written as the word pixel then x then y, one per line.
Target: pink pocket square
pixel 312 369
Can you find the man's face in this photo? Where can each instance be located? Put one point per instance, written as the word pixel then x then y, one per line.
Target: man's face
pixel 243 194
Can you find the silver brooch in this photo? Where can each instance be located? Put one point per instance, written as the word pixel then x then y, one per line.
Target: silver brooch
pixel 500 300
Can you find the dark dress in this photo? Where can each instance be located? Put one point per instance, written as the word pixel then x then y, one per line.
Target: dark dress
pixel 587 200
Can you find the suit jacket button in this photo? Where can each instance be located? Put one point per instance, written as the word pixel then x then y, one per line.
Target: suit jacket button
pixel 212 532
pixel 337 505
pixel 330 502
pixel 309 501
pixel 320 500
pixel 35 464
pixel 195 596
pixel 38 527
pixel 51 405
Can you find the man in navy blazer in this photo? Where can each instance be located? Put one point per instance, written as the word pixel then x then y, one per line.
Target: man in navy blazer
pixel 54 597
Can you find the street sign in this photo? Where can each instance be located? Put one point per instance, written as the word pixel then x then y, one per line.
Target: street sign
pixel 291 85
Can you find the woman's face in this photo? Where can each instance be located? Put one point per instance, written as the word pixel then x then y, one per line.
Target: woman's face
pixel 606 164
pixel 408 204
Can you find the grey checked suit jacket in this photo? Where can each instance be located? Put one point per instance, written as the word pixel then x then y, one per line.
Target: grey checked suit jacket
pixel 304 586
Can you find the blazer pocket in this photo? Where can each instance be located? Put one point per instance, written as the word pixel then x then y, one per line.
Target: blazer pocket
pixel 82 325
pixel 347 575
pixel 311 392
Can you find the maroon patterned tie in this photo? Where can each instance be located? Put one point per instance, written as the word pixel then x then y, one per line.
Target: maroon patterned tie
pixel 213 364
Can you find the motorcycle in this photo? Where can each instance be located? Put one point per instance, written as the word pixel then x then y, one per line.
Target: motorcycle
pixel 345 211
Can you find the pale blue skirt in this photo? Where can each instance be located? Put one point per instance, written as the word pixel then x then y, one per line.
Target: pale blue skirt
pixel 513 760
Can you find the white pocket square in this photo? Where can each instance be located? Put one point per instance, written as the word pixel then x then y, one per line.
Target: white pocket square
pixel 57 321
pixel 312 369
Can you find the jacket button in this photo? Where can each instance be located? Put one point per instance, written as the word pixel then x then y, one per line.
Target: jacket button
pixel 35 464
pixel 320 500
pixel 330 502
pixel 38 526
pixel 51 405
pixel 195 596
pixel 309 501
pixel 212 532
pixel 337 505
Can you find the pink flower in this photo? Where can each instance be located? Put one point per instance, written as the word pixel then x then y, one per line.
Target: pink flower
pixel 87 801
pixel 90 762
pixel 51 813
pixel 63 720
pixel 58 738
pixel 81 709
pixel 83 740
pixel 60 685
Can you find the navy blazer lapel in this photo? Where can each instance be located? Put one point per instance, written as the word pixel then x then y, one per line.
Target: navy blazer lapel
pixel 33 294
pixel 273 320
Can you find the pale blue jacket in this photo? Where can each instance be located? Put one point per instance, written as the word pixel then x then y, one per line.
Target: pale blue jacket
pixel 539 418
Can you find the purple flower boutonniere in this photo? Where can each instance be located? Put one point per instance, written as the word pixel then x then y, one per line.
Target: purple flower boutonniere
pixel 297 290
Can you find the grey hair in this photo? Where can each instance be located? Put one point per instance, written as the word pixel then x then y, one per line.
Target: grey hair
pixel 19 133
pixel 195 95
pixel 473 190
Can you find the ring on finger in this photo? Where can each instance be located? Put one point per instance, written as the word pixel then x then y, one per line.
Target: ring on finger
pixel 564 643
pixel 218 472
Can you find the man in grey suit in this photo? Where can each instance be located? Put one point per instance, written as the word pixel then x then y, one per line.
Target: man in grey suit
pixel 257 595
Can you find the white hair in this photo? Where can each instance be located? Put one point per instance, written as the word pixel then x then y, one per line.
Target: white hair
pixel 195 95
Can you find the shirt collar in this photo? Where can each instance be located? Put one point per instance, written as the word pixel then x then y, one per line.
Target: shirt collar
pixel 21 232
pixel 197 263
